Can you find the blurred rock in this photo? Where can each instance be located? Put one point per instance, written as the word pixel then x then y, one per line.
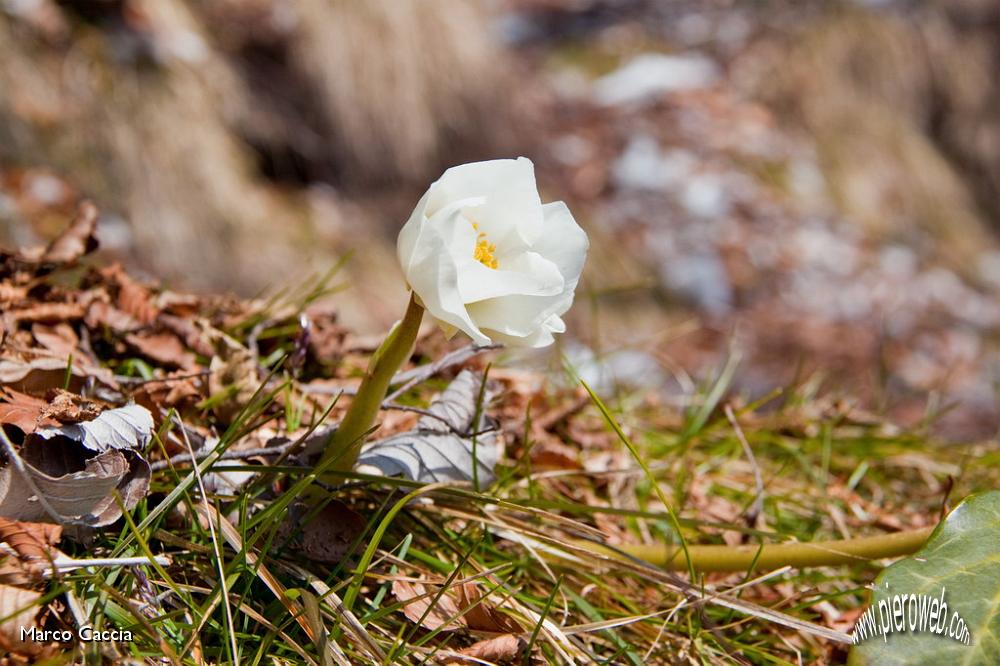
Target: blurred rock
pixel 650 75
pixel 643 165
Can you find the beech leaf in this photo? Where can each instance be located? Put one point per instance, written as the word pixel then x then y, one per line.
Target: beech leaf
pixel 78 467
pixel 444 446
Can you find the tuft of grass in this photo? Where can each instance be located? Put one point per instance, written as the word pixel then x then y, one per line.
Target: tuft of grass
pixel 234 591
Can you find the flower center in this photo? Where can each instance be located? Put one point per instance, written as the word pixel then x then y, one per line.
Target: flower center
pixel 485 250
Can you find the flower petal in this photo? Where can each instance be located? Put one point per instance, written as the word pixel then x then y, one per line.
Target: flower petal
pixel 527 274
pixel 433 276
pixel 512 214
pixel 564 243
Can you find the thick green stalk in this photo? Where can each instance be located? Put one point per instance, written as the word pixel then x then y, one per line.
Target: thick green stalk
pixel 775 556
pixel 345 443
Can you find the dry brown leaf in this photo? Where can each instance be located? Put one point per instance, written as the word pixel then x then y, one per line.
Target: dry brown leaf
pixel 29 540
pixel 461 600
pixel 23 411
pixel 548 452
pixel 426 607
pixel 233 373
pixel 47 312
pixel 77 240
pixel 75 483
pixel 163 348
pixel 497 650
pixel 18 606
pixel 135 299
pixel 190 331
pixel 482 616
pixel 178 389
pixel 101 314
pixel 328 537
pixel 66 407
pixel 40 375
pixel 32 546
pixel 10 293
pixel 60 338
pixel 326 336
pixel 180 305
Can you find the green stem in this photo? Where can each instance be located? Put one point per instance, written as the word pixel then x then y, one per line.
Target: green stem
pixel 345 443
pixel 775 556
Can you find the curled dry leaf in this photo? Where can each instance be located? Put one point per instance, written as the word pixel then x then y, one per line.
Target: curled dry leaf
pixel 39 375
pixel 60 339
pixel 79 239
pixel 232 375
pixel 131 297
pixel 425 607
pixel 162 347
pixel 65 407
pixel 326 537
pixel 25 412
pixel 77 468
pixel 47 313
pixel 18 606
pixel 461 606
pixel 498 650
pixel 26 546
pixel 444 446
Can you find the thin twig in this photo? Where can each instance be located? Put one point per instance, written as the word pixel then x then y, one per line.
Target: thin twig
pixel 228 455
pixel 424 372
pixel 411 377
pixel 139 381
pixel 68 564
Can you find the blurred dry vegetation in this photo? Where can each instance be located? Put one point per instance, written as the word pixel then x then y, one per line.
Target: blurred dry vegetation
pixel 826 194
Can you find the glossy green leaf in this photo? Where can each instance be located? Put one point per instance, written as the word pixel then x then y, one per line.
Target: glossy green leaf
pixel 961 560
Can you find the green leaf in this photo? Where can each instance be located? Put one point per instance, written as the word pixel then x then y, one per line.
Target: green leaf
pixel 962 558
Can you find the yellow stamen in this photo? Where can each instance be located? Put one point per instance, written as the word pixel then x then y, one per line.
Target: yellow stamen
pixel 485 250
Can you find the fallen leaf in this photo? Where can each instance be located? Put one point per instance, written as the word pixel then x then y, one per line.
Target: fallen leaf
pixel 131 297
pixel 47 312
pixel 177 389
pixel 60 339
pixel 482 616
pixel 191 332
pixel 77 240
pixel 31 547
pixel 29 540
pixel 441 447
pixel 163 348
pixel 23 411
pixel 101 314
pixel 326 336
pixel 10 294
pixel 498 650
pixel 233 374
pixel 17 605
pixel 65 407
pixel 434 610
pixel 427 608
pixel 39 375
pixel 129 427
pixel 75 483
pixel 328 537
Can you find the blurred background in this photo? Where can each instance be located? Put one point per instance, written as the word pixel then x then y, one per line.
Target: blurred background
pixel 813 186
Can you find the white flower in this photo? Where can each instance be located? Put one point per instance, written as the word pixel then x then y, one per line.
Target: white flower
pixel 484 255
